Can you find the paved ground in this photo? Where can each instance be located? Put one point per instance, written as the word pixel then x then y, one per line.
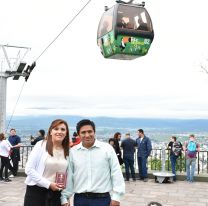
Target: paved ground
pixel 137 194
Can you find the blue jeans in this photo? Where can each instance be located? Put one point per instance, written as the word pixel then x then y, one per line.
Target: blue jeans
pixel 129 163
pixel 173 160
pixel 190 168
pixel 86 201
pixel 142 165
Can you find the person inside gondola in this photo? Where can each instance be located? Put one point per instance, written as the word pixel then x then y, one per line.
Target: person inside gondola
pixel 123 22
pixel 142 26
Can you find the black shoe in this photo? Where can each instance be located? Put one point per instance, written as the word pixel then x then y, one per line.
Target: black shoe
pixel 145 179
pixel 1 178
pixel 7 180
pixel 140 178
pixel 127 179
pixel 134 179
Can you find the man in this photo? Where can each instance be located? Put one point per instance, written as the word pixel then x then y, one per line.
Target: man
pixel 191 147
pixel 175 151
pixel 128 146
pixel 15 141
pixel 144 149
pixel 93 171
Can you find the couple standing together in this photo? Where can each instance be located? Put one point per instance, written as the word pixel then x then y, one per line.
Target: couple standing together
pixel 92 169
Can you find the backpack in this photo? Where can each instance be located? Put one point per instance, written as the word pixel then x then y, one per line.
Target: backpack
pixel 177 148
pixel 191 149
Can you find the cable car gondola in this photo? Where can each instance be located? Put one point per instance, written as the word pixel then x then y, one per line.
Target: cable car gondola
pixel 125 31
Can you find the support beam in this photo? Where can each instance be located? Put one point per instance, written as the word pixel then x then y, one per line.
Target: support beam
pixel 3 86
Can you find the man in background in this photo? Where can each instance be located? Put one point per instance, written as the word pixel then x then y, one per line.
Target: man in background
pixel 128 145
pixel 144 149
pixel 175 152
pixel 15 141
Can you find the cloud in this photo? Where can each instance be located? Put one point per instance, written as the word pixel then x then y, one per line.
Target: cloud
pixel 131 106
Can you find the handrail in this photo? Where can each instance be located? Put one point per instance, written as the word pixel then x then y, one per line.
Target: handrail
pixel 154 161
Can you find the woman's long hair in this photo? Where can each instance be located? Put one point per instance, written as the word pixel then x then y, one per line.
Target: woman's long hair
pixel 65 142
pixel 2 137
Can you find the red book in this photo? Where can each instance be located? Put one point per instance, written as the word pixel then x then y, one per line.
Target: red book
pixel 61 178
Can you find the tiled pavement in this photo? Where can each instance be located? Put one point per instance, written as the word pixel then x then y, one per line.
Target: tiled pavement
pixel 137 194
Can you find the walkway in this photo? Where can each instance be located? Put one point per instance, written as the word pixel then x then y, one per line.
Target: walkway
pixel 137 194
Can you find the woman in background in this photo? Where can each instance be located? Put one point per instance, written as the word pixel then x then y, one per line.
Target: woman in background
pixel 47 158
pixel 117 138
pixel 5 148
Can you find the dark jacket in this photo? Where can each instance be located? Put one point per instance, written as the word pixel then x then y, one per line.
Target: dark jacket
pixel 144 147
pixel 36 140
pixel 118 151
pixel 128 146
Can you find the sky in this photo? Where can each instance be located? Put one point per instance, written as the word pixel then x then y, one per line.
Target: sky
pixel 73 78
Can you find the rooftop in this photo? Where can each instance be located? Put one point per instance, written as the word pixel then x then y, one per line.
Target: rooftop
pixel 137 193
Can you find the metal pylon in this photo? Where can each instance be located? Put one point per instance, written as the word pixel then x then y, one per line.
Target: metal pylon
pixel 9 68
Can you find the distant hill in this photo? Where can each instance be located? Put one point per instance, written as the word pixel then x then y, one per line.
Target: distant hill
pixel 182 125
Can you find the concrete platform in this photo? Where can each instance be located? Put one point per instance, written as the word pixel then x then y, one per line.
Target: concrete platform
pixel 138 193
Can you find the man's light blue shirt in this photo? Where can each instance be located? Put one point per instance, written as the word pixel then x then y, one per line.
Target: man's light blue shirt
pixel 94 170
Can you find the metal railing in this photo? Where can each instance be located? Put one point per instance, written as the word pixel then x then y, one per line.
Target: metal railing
pixel 24 153
pixel 154 161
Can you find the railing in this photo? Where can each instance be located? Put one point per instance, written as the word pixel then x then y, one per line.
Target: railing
pixel 24 153
pixel 154 161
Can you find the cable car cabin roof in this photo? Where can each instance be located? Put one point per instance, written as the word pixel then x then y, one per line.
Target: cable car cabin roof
pixel 126 19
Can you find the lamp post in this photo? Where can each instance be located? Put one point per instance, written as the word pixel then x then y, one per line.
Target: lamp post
pixel 10 67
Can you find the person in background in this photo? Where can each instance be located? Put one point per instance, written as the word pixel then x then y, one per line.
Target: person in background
pixel 128 146
pixel 175 151
pixel 117 138
pixel 93 171
pixel 111 141
pixel 15 141
pixel 75 140
pixel 5 148
pixel 41 136
pixel 144 149
pixel 47 158
pixel 191 147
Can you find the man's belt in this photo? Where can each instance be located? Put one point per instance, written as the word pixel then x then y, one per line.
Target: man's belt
pixel 93 195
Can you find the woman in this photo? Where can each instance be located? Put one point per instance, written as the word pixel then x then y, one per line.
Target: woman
pixel 117 138
pixel 47 158
pixel 5 148
pixel 41 136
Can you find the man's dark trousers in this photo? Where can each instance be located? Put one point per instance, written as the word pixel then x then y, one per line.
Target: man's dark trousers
pixel 142 165
pixel 129 163
pixel 15 157
pixel 80 200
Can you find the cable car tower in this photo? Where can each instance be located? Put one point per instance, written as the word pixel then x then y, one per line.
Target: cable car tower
pixel 11 65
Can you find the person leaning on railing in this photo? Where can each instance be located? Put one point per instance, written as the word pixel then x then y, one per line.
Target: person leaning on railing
pixel 175 148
